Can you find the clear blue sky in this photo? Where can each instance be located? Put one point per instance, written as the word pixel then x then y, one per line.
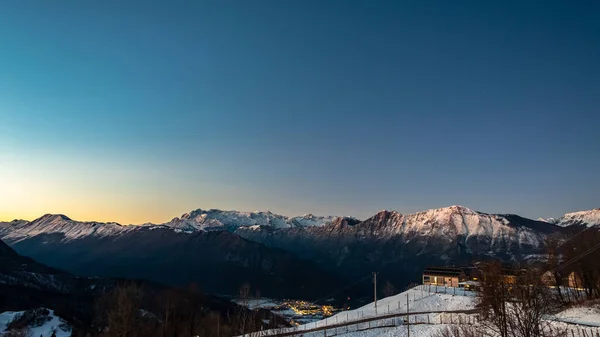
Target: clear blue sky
pixel 139 111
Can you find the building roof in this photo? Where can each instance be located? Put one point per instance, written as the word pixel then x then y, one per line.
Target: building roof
pixel 444 271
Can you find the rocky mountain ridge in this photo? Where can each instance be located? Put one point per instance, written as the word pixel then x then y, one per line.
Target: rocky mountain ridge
pixel 282 253
pixel 475 223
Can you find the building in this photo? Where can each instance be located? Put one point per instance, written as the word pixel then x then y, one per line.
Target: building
pixel 457 277
pixel 570 278
pixel 444 276
pixel 574 280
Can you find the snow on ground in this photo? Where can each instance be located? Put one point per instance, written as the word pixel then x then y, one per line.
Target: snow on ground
pixel 576 321
pixel 218 219
pixel 400 331
pixel 257 303
pixel 297 312
pixel 420 299
pixel 589 316
pixel 45 330
pixel 590 218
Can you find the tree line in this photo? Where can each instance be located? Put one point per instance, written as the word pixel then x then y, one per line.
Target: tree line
pixel 130 310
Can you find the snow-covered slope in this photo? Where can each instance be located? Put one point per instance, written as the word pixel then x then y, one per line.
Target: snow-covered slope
pixel 586 315
pixel 433 309
pixel 586 218
pixel 419 300
pixel 52 324
pixel 454 221
pixel 215 219
pixel 61 225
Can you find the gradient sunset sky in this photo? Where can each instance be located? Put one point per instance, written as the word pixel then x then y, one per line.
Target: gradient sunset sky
pixel 139 111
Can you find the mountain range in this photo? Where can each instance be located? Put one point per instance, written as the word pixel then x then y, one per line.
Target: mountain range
pixel 306 256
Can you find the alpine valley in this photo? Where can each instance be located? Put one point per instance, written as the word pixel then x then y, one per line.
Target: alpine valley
pixel 304 257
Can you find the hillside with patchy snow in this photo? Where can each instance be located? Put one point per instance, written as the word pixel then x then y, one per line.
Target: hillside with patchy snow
pixel 47 325
pixel 400 246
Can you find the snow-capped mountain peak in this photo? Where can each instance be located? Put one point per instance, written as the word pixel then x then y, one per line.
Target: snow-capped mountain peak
pixel 553 221
pixel 215 219
pixel 61 224
pixel 53 218
pixel 455 209
pixel 589 218
pixel 449 223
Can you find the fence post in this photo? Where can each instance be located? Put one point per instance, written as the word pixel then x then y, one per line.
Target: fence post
pixel 428 319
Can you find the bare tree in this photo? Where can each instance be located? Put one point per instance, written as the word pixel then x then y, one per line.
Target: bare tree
pixel 246 317
pixel 530 300
pixel 553 277
pixel 118 311
pixel 169 303
pixel 459 331
pixel 514 306
pixel 389 289
pixel 493 296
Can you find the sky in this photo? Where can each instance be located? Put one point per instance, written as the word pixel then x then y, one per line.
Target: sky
pixel 138 112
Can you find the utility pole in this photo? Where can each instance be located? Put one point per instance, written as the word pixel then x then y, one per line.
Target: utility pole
pixel 407 317
pixel 375 289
